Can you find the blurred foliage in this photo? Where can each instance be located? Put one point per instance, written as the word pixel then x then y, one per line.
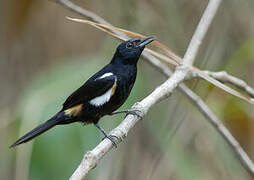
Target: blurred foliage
pixel 44 57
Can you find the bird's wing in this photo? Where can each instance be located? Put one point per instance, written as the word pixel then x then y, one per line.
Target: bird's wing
pixel 91 89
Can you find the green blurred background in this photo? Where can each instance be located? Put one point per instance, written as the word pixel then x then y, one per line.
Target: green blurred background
pixel 44 57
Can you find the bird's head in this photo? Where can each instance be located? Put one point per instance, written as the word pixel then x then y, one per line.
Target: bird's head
pixel 129 51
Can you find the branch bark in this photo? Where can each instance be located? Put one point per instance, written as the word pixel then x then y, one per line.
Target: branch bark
pixel 92 157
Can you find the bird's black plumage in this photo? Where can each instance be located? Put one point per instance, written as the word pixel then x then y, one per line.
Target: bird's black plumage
pixel 101 94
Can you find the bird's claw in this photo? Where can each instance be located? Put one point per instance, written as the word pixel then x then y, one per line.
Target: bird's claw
pixel 134 112
pixel 114 139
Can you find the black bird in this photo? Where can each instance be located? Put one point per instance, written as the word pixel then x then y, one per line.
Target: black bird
pixel 101 94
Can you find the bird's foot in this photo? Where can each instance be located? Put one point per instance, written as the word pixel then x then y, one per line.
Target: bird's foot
pixel 114 139
pixel 134 112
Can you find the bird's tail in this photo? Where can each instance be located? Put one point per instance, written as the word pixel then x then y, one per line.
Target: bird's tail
pixel 40 129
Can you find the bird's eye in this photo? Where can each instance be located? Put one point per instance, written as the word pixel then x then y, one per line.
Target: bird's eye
pixel 129 45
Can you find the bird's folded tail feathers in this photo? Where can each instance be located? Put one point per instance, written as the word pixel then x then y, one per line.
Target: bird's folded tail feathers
pixel 40 129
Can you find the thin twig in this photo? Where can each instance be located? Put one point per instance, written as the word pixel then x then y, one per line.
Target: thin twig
pixel 224 77
pixel 88 14
pixel 86 163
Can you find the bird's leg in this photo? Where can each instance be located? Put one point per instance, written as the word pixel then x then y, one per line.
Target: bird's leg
pixel 110 137
pixel 133 112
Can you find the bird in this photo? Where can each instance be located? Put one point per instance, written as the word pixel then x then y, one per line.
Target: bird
pixel 102 94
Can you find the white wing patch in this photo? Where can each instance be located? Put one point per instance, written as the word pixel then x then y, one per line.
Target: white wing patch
pixel 105 75
pixel 98 101
pixel 102 99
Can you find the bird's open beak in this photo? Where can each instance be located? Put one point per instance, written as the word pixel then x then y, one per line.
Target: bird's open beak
pixel 145 41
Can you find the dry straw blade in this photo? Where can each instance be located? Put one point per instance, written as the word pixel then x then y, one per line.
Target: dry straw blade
pixel 108 29
pixel 169 56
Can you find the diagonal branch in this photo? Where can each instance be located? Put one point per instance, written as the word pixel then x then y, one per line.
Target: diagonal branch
pixel 218 125
pixel 211 117
pixel 81 11
pixel 92 157
pixel 201 30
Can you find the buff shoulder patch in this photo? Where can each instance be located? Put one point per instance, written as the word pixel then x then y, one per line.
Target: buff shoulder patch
pixel 113 88
pixel 74 111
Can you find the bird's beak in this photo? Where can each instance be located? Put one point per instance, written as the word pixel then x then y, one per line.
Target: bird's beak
pixel 145 41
